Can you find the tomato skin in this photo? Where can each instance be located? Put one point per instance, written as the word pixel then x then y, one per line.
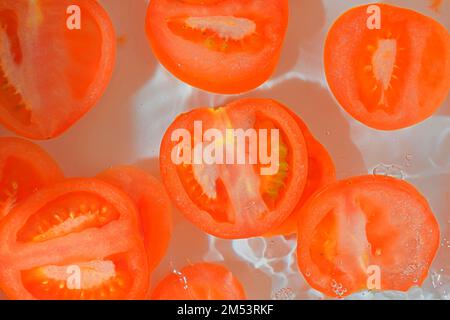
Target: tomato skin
pixel 294 186
pixel 118 236
pixel 420 78
pixel 83 59
pixel 153 205
pixel 321 172
pixel 218 72
pixel 400 235
pixel 26 164
pixel 201 281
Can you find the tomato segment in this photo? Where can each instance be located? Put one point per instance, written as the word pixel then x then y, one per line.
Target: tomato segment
pixel 77 239
pixel 153 205
pixel 239 42
pixel 39 99
pixel 250 174
pixel 388 78
pixel 349 227
pixel 100 280
pixel 202 281
pixel 24 168
pixel 321 172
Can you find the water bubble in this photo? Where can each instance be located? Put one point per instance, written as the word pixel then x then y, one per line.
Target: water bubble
pixel 380 170
pixel 396 172
pixel 181 278
pixel 393 171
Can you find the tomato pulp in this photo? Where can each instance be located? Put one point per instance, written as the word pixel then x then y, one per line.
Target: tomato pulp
pixel 353 230
pixel 77 239
pixel 321 172
pixel 236 199
pixel 24 168
pixel 202 281
pixel 153 205
pixel 225 46
pixel 392 77
pixel 51 72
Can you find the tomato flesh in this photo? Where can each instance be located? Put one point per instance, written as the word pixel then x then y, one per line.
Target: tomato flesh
pixel 153 205
pixel 239 42
pixel 41 100
pixel 104 279
pixel 77 239
pixel 202 281
pixel 321 172
pixel 370 221
pixel 232 199
pixel 24 168
pixel 388 78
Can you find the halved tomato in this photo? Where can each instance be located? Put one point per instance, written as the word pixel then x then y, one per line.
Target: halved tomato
pixel 50 73
pixel 202 281
pixel 24 168
pixel 78 239
pixel 223 46
pixel 256 172
pixel 354 231
pixel 321 172
pixel 388 78
pixel 153 205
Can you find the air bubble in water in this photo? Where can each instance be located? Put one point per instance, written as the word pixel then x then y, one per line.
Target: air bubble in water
pixel 396 172
pixel 380 170
pixel 393 171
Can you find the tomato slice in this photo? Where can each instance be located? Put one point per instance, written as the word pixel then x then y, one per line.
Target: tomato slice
pixel 77 239
pixel 388 78
pixel 24 168
pixel 225 197
pixel 239 42
pixel 321 172
pixel 202 281
pixel 370 221
pixel 51 75
pixel 153 205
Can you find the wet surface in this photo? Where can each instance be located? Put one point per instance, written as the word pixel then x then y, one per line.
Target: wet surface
pixel 143 99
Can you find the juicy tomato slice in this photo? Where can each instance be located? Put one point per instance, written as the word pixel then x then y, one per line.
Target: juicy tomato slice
pixel 202 281
pixel 225 197
pixel 239 42
pixel 153 204
pixel 321 172
pixel 388 78
pixel 77 239
pixel 24 168
pixel 351 226
pixel 50 74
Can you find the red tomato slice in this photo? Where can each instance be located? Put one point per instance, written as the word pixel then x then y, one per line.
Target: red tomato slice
pixel 78 239
pixel 352 225
pixel 224 46
pixel 202 281
pixel 388 78
pixel 24 168
pixel 231 200
pixel 153 205
pixel 50 75
pixel 321 172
